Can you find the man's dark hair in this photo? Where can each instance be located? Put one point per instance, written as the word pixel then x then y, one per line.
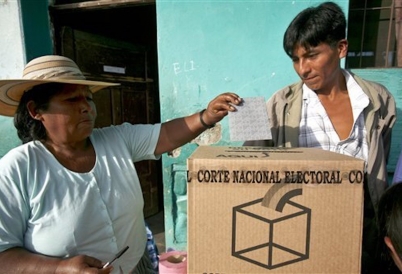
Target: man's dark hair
pixel 390 219
pixel 325 23
pixel 28 128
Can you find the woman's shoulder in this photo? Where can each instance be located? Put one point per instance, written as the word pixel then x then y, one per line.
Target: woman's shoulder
pixel 111 131
pixel 21 155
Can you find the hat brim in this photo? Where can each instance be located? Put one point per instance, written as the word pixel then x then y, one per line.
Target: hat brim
pixel 11 90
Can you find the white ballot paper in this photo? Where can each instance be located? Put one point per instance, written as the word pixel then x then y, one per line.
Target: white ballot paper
pixel 250 121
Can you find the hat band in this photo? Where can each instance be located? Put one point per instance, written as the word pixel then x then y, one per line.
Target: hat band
pixel 60 68
pixel 66 73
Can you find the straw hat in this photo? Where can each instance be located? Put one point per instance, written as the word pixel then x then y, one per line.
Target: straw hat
pixel 45 69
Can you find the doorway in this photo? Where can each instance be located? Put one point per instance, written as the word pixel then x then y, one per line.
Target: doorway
pixel 116 41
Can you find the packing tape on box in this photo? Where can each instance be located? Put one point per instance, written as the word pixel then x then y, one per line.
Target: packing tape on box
pixel 279 194
pixel 173 262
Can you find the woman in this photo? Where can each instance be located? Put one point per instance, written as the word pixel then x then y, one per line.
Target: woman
pixel 70 197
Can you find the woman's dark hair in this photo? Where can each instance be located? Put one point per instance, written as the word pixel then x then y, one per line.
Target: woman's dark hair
pixel 325 23
pixel 28 128
pixel 390 219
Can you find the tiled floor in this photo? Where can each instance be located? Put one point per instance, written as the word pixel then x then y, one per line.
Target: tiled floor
pixel 157 225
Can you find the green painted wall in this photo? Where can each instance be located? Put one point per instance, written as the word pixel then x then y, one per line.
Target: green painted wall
pixel 8 135
pixel 206 48
pixel 36 25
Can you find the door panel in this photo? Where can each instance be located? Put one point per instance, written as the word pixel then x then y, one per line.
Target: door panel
pixel 134 101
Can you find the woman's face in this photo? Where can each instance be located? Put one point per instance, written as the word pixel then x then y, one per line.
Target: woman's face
pixel 71 114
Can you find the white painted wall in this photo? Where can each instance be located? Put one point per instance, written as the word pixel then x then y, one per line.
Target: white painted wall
pixel 12 56
pixel 12 62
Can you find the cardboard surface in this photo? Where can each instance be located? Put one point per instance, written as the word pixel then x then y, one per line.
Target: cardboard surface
pixel 270 210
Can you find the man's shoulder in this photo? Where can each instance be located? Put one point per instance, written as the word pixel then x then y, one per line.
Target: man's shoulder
pixel 369 85
pixel 288 91
pixel 292 87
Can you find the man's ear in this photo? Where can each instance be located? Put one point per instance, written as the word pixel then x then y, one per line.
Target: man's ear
pixel 343 48
pixel 32 110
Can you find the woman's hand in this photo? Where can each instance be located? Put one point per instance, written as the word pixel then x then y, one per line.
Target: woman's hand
pixel 219 107
pixel 82 264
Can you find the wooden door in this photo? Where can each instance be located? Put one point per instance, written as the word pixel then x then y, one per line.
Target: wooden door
pixel 134 101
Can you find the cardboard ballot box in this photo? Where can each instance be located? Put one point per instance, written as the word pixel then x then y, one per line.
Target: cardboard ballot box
pixel 274 210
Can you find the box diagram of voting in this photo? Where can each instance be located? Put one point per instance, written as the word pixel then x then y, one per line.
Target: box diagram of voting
pixel 275 248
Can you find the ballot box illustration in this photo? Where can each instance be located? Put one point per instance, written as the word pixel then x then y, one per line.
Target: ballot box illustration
pixel 277 210
pixel 285 237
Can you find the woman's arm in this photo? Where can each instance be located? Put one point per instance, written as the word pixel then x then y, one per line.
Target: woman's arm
pixel 180 131
pixel 19 260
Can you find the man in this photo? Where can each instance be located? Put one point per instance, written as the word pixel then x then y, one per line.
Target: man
pixel 332 109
